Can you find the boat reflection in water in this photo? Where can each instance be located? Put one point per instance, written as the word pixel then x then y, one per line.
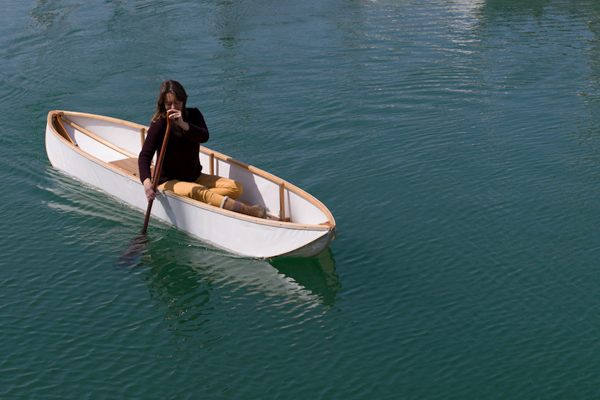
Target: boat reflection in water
pixel 175 265
pixel 188 280
pixel 315 274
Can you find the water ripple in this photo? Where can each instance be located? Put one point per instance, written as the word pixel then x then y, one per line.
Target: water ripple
pixel 455 143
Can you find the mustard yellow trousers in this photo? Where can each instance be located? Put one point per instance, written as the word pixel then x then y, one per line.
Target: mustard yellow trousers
pixel 210 189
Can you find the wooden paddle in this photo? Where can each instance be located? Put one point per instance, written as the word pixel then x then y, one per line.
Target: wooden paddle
pixel 135 247
pixel 157 169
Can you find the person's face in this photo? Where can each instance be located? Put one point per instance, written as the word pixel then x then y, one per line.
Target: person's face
pixel 172 102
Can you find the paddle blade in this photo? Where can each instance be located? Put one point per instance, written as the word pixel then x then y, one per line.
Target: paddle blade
pixel 133 253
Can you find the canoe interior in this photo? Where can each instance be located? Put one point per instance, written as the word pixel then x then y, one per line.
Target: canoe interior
pixel 117 143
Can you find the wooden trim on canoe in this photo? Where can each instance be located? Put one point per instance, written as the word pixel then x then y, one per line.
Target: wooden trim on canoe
pixel 123 172
pixel 60 128
pixel 282 201
pixel 143 135
pixel 98 138
pixel 210 153
pixel 102 118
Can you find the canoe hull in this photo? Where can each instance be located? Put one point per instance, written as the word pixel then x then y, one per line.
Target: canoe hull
pixel 235 233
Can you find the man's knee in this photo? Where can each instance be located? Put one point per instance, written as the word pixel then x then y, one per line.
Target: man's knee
pixel 236 190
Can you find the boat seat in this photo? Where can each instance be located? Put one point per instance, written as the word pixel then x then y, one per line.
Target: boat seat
pixel 129 165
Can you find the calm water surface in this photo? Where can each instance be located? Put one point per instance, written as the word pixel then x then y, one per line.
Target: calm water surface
pixel 455 142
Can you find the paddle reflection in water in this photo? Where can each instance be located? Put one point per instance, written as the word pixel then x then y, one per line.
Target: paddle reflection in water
pixel 131 256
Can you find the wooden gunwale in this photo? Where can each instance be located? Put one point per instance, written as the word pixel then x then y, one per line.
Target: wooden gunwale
pixel 103 118
pixel 209 152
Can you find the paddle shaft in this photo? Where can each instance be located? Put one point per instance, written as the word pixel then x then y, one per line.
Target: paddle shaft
pixel 157 169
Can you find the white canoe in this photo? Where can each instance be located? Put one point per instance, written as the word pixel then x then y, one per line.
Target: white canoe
pixel 102 152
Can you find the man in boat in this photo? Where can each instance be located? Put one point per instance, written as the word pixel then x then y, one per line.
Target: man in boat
pixel 181 170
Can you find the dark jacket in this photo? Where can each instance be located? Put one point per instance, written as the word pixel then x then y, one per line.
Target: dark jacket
pixel 182 160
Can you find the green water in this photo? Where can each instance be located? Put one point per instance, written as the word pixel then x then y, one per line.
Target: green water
pixel 455 142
